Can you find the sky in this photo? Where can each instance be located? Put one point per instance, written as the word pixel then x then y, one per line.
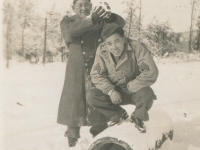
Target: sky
pixel 176 12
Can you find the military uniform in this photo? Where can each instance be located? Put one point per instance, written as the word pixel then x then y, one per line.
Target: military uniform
pixel 131 76
pixel 82 37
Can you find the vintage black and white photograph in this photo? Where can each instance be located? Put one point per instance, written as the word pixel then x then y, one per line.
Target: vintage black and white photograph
pixel 100 75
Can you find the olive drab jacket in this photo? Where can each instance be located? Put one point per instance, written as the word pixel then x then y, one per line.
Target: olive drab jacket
pixel 82 37
pixel 135 69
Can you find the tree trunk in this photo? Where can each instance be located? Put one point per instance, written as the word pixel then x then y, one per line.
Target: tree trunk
pixel 198 41
pixel 23 53
pixel 140 18
pixel 7 44
pixel 158 41
pixel 23 42
pixel 191 28
pixel 61 40
pixel 35 49
pixel 45 41
pixel 62 54
pixel 8 38
pixel 10 41
pixel 131 15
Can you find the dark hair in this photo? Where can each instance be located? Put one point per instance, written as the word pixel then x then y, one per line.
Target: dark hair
pixel 119 31
pixel 74 1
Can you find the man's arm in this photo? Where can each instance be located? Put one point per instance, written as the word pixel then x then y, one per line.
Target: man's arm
pixel 99 73
pixel 73 28
pixel 147 67
pixel 100 79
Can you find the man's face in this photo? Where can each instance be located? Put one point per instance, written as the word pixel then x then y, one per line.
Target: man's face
pixel 82 8
pixel 115 44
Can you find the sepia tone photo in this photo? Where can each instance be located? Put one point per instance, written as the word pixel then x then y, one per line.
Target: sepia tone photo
pixel 100 75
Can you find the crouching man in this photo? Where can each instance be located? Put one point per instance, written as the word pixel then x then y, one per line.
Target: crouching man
pixel 122 73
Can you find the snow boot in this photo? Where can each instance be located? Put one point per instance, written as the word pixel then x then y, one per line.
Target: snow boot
pixel 72 141
pixel 138 124
pixel 120 119
pixel 95 130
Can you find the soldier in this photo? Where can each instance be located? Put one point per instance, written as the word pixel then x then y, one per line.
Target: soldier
pixel 123 72
pixel 82 34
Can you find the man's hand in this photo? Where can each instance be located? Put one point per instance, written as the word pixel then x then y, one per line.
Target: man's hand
pixel 99 14
pixel 115 97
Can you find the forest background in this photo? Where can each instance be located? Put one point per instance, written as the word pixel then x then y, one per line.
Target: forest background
pixel 31 30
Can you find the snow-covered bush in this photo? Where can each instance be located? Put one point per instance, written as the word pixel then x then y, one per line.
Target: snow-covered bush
pixel 161 39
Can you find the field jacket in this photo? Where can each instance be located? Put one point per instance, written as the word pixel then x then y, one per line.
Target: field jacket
pixel 135 69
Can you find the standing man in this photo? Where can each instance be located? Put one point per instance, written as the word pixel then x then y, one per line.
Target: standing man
pixel 82 34
pixel 123 72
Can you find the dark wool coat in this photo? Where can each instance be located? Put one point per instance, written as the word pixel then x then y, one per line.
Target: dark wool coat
pixel 82 37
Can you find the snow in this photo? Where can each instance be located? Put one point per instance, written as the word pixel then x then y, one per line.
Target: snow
pixel 30 96
pixel 155 131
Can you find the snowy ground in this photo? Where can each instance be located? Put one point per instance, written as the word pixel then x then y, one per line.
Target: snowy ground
pixel 30 96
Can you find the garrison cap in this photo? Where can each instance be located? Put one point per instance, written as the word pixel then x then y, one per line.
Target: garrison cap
pixel 74 1
pixel 109 29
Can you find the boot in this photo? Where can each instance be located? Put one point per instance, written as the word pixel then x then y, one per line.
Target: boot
pixel 72 141
pixel 120 119
pixel 95 130
pixel 138 124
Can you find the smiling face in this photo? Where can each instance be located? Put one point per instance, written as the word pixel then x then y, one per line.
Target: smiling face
pixel 82 8
pixel 115 44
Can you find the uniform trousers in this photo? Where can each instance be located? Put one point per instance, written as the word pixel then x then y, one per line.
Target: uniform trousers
pixel 142 99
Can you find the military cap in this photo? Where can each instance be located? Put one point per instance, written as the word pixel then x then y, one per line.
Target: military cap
pixel 109 29
pixel 74 1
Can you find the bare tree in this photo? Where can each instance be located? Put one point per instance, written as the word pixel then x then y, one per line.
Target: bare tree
pixel 198 34
pixel 45 42
pixel 132 20
pixel 139 22
pixel 47 13
pixel 191 27
pixel 25 30
pixel 8 21
pixel 25 9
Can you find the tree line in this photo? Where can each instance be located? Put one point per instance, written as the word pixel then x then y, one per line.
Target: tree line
pixel 29 35
pixel 24 31
pixel 160 38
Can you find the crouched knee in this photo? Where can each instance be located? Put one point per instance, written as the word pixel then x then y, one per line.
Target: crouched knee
pixel 147 93
pixel 93 95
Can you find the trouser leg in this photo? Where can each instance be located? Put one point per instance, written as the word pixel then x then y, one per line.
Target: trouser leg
pixel 94 117
pixel 143 100
pixel 73 132
pixel 97 120
pixel 103 104
pixel 105 107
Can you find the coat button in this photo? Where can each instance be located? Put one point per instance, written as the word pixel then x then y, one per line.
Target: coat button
pixel 99 40
pixel 86 64
pixel 84 53
pixel 82 41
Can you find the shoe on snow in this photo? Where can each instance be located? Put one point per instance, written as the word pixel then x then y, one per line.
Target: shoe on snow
pixel 123 117
pixel 138 124
pixel 95 130
pixel 72 141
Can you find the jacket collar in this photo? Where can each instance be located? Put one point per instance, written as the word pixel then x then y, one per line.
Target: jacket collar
pixel 129 48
